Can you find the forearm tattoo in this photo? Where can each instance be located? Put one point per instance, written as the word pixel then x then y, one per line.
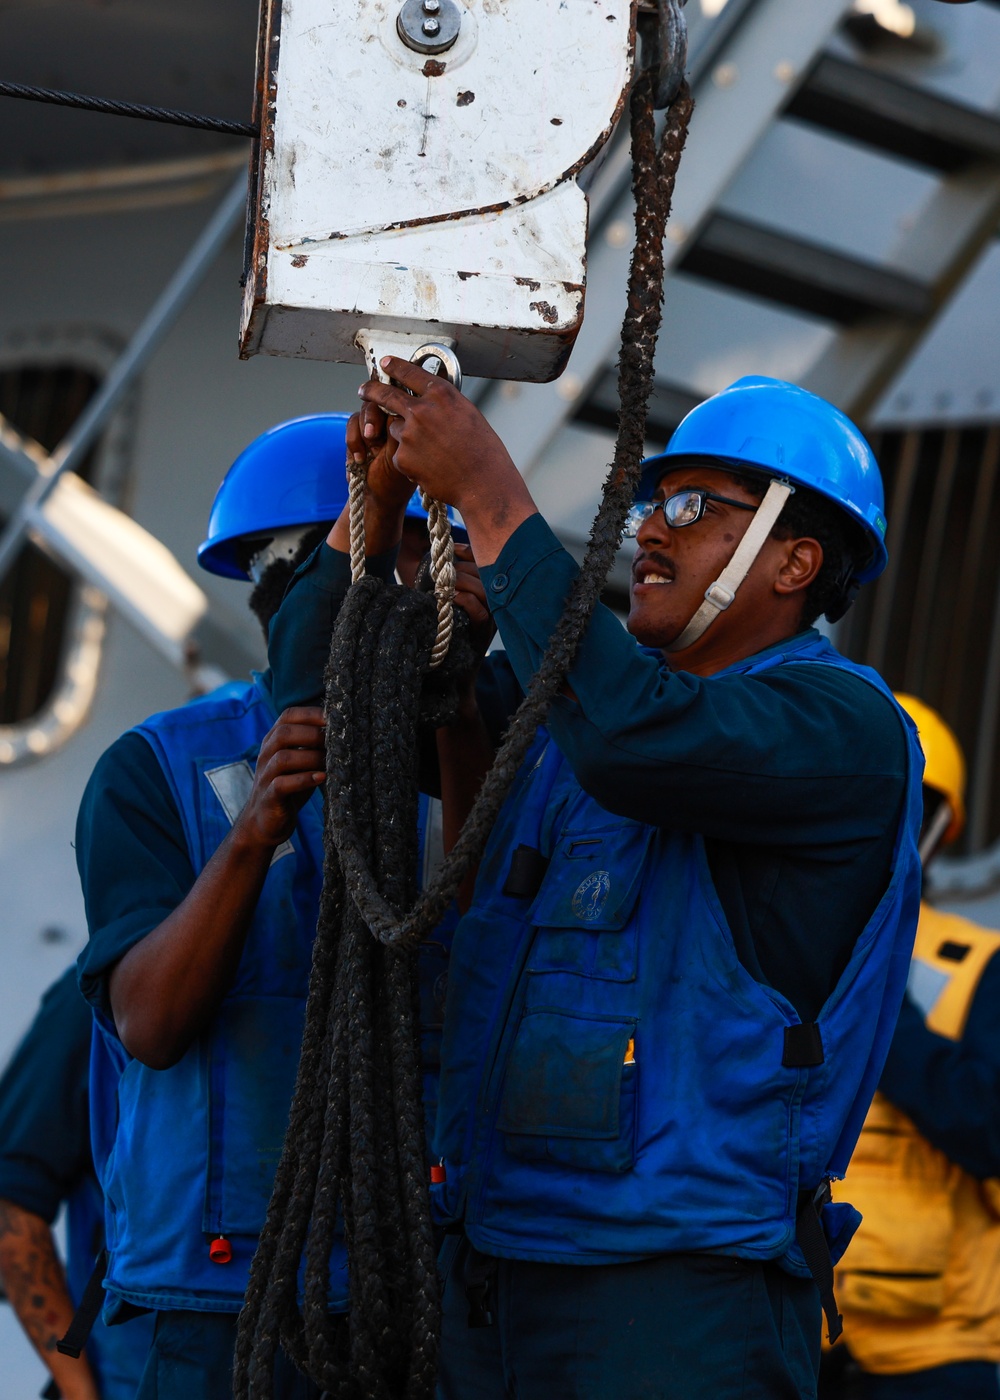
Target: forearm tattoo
pixel 33 1277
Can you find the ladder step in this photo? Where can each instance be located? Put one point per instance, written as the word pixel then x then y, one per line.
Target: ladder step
pixel 895 117
pixel 813 279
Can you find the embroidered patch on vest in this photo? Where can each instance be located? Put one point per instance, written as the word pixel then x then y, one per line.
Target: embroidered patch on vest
pixel 231 783
pixel 591 895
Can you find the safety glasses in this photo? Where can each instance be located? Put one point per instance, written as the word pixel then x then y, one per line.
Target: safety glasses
pixel 683 508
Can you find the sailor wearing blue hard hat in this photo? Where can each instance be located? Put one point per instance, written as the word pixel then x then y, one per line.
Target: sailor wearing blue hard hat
pixel 277 502
pixel 810 470
pixel 671 997
pixel 200 849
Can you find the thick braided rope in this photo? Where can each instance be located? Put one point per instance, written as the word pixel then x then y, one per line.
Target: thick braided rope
pixel 354 1156
pixel 654 176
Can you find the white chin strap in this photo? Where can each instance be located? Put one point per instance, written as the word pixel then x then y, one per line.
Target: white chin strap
pixel 720 594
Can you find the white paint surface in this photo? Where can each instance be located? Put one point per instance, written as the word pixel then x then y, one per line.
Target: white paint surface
pixel 437 197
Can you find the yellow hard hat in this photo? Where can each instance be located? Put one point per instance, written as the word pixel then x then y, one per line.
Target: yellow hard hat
pixel 943 757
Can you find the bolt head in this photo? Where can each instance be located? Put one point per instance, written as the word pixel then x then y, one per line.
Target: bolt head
pixel 428 26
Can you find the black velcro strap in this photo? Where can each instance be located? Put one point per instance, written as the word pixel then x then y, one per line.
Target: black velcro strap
pixel 803 1046
pixel 526 873
pixel 79 1330
pixel 811 1239
pixel 953 952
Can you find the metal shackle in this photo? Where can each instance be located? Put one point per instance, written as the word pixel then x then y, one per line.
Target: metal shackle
pixel 449 361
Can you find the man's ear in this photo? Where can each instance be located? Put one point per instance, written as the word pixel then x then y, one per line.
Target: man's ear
pixel 802 561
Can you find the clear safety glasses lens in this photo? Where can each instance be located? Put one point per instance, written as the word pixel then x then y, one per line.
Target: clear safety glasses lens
pixel 684 508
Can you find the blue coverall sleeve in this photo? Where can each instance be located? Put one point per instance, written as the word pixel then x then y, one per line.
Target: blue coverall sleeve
pixel 299 637
pixel 951 1089
pixel 44 1125
pixel 132 857
pixel 774 758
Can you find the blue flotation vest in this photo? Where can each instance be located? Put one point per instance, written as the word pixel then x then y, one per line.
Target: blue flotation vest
pixel 118 1354
pixel 188 1154
pixel 615 1083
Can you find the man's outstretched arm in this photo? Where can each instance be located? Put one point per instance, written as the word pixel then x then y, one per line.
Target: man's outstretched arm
pixel 775 758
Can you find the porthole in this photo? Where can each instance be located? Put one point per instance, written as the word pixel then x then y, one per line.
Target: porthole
pixel 51 624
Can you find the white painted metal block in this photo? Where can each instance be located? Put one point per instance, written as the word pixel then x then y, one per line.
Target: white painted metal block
pixel 436 195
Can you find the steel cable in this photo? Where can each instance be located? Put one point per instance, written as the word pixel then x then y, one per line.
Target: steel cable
pixel 167 115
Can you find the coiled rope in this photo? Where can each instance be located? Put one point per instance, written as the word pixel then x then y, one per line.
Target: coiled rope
pixel 353 1157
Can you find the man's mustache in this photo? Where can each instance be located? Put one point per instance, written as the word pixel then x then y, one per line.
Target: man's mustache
pixel 652 562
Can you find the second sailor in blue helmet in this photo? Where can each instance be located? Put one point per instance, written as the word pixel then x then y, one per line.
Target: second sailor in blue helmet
pixel 278 501
pixel 199 845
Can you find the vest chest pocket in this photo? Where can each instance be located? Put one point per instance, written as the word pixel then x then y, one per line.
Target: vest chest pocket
pixel 569 1095
pixel 583 911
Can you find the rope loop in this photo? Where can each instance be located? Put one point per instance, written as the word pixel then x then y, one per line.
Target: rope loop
pixel 673 52
pixel 438 522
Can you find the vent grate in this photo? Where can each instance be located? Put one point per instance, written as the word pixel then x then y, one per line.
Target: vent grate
pixel 931 625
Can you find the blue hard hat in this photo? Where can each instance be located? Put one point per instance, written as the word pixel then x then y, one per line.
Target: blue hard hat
pixel 294 474
pixel 771 426
pixel 415 510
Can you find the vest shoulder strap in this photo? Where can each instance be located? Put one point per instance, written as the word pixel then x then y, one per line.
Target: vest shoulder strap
pixel 950 956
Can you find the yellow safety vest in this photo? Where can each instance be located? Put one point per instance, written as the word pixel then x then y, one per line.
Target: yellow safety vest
pixel 920 1284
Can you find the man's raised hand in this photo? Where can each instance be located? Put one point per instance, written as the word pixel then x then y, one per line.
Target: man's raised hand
pixel 442 440
pixel 290 766
pixel 444 444
pixel 367 441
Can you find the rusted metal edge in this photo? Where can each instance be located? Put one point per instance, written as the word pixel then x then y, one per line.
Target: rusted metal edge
pixel 258 230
